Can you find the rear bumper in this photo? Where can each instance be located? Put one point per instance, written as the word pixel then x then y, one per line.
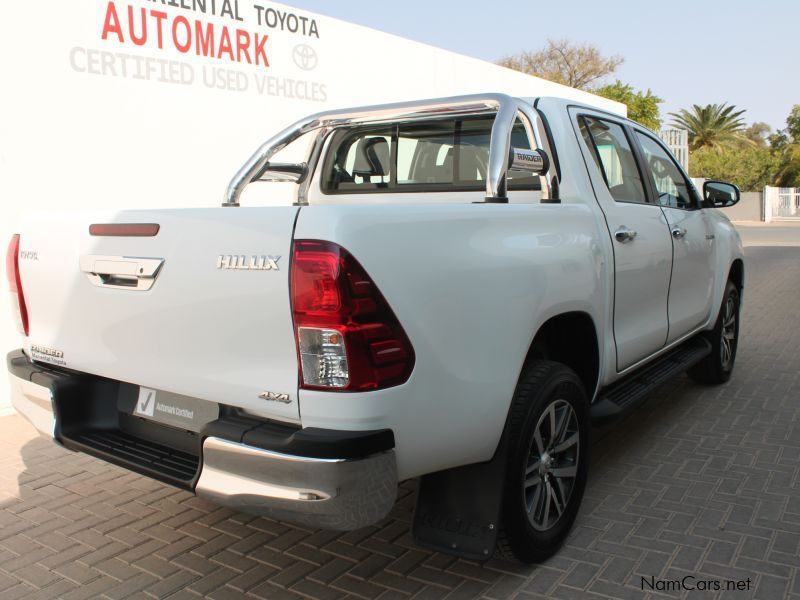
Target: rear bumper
pixel 35 403
pixel 331 493
pixel 340 480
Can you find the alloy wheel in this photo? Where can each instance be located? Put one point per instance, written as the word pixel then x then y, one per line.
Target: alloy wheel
pixel 728 333
pixel 552 465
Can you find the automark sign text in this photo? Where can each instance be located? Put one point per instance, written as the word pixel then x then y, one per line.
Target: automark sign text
pixel 133 32
pixel 138 25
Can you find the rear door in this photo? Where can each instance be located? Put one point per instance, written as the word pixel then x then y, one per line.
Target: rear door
pixel 639 233
pixel 199 309
pixel 692 283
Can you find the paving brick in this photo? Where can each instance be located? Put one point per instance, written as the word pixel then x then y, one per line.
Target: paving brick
pixel 252 578
pixel 168 585
pixel 504 587
pixel 57 590
pixel 368 567
pixel 35 575
pixel 212 581
pixel 268 591
pixel 312 589
pixel 468 589
pixel 77 573
pixel 16 592
pixel 397 583
pixel 129 588
pixel 771 587
pixel 357 587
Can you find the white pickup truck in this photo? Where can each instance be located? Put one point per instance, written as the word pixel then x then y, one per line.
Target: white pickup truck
pixel 460 288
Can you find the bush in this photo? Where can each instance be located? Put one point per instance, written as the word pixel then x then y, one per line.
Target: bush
pixel 748 166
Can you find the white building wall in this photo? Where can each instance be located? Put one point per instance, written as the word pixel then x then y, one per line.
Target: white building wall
pixel 90 122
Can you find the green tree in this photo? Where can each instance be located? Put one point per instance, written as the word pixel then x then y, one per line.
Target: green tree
pixel 561 61
pixel 711 126
pixel 642 106
pixel 788 174
pixel 793 123
pixel 758 133
pixel 749 166
pixel 786 145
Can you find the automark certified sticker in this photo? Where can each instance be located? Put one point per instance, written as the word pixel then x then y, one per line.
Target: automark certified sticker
pixel 146 405
pixel 175 410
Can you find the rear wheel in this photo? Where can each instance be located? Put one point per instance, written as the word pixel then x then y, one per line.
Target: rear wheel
pixel 547 461
pixel 717 367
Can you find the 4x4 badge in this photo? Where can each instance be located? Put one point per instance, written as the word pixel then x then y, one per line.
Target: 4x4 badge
pixel 273 397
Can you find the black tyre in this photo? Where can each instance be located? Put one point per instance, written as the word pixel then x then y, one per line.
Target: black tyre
pixel 548 459
pixel 717 367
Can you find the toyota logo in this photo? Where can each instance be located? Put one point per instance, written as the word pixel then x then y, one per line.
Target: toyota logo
pixel 305 57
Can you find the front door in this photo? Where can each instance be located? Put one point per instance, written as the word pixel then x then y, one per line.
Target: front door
pixel 640 239
pixel 690 293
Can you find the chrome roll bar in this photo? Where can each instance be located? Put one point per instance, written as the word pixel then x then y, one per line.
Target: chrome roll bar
pixel 506 108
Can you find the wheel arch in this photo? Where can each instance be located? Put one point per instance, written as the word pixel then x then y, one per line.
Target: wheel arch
pixel 571 339
pixel 736 274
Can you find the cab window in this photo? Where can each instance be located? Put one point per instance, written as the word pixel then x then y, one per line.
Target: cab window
pixel 672 188
pixel 614 157
pixel 441 155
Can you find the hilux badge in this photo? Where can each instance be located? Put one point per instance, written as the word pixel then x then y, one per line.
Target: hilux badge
pixel 241 262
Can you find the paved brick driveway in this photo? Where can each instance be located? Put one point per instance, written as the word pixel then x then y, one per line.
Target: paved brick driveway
pixel 700 481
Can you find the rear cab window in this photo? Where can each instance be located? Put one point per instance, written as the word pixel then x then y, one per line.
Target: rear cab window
pixel 426 156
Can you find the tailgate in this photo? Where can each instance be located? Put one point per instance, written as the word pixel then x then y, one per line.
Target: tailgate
pixel 200 309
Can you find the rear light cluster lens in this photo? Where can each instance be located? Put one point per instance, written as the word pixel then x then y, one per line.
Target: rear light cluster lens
pixel 348 338
pixel 15 285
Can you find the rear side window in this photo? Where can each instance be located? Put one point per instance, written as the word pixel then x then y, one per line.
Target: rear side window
pixel 614 157
pixel 442 155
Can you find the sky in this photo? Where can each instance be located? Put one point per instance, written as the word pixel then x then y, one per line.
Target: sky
pixel 745 53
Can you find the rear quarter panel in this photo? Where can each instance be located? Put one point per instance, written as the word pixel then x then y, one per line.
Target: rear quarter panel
pixel 471 284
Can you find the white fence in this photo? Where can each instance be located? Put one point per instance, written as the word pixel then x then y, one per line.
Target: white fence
pixel 781 204
pixel 677 140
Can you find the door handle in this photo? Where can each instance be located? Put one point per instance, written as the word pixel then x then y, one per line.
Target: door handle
pixel 678 233
pixel 623 234
pixel 121 272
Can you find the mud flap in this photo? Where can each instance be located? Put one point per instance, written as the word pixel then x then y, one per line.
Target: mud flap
pixel 458 510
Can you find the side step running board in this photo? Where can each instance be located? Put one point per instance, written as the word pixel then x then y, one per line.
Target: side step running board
pixel 623 395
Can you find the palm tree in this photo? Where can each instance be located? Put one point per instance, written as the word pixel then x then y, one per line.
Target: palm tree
pixel 711 126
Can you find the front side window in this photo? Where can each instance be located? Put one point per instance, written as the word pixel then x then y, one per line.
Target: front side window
pixel 442 155
pixel 614 157
pixel 671 186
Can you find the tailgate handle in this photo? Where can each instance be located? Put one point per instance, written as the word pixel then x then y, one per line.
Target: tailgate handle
pixel 121 272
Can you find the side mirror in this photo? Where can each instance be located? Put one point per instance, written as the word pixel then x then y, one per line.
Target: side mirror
pixel 720 194
pixel 283 172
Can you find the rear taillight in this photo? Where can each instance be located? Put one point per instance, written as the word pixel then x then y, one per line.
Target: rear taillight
pixel 348 338
pixel 15 285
